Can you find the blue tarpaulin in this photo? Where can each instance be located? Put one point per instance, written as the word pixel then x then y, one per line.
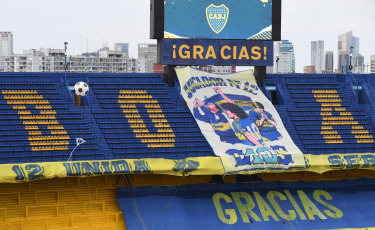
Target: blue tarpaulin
pixel 272 205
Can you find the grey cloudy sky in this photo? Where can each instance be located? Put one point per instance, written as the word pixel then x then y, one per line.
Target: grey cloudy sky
pixel 88 24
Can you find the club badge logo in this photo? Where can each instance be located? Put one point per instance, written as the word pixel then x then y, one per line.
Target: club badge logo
pixel 217 17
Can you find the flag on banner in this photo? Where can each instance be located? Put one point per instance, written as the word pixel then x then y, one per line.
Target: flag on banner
pixel 239 122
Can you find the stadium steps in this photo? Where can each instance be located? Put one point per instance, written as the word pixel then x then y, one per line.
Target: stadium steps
pixel 142 112
pixel 325 115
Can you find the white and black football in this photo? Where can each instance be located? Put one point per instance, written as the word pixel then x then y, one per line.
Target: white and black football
pixel 81 88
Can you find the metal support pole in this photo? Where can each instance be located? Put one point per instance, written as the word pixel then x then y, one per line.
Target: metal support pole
pixel 65 66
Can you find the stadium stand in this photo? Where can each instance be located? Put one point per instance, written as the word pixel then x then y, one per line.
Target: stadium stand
pixel 140 111
pixel 37 123
pixel 324 113
pixel 134 116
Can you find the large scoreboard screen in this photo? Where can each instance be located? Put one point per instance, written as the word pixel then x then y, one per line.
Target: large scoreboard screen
pixel 216 19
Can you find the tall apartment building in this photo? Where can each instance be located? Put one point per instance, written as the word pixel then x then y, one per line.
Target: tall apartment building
pixel 347 42
pixel 328 67
pixel 6 43
pixel 317 55
pixel 358 63
pixel 147 56
pixel 372 64
pixel 343 61
pixel 286 63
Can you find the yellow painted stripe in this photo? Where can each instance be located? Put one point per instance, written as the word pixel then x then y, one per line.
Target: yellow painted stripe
pixel 331 137
pixel 48 137
pixel 155 135
pixel 34 117
pixel 48 112
pixel 158 140
pixel 22 97
pixel 152 106
pixel 43 107
pixel 133 91
pixel 35 133
pixel 126 96
pixel 56 127
pixel 363 136
pixel 49 148
pixel 128 106
pixel 326 109
pixel 328 132
pixel 138 121
pixel 365 140
pixel 27 102
pixel 24 112
pixel 156 115
pixel 56 132
pixel 343 118
pixel 132 116
pixel 137 126
pixel 165 131
pixel 49 143
pixel 360 131
pixel 140 131
pixel 324 91
pixel 340 109
pixel 159 121
pixel 340 123
pixel 326 96
pixel 137 101
pixel 326 128
pixel 19 92
pixel 40 122
pixel 329 100
pixel 130 111
pixel 331 105
pixel 326 114
pixel 334 142
pixel 154 111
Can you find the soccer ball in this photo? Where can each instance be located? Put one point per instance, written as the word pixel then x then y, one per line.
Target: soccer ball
pixel 81 89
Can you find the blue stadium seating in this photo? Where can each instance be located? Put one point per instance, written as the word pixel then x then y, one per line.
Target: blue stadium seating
pixel 324 114
pixel 139 116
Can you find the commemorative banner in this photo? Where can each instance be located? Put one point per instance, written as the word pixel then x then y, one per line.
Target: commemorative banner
pixel 344 204
pixel 238 121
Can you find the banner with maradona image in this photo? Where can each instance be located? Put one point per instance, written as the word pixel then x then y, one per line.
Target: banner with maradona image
pixel 239 122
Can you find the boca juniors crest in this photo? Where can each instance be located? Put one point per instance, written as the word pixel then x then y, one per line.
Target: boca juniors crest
pixel 217 17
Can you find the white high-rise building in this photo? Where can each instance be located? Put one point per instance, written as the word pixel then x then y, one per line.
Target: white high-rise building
pixel 6 43
pixel 284 60
pixel 372 66
pixel 346 43
pixel 343 61
pixel 328 68
pixel 317 55
pixel 147 56
pixel 286 63
pixel 358 64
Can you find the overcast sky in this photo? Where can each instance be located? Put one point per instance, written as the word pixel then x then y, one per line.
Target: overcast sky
pixel 89 24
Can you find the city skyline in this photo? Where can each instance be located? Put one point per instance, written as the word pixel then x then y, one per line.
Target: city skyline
pixel 87 26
